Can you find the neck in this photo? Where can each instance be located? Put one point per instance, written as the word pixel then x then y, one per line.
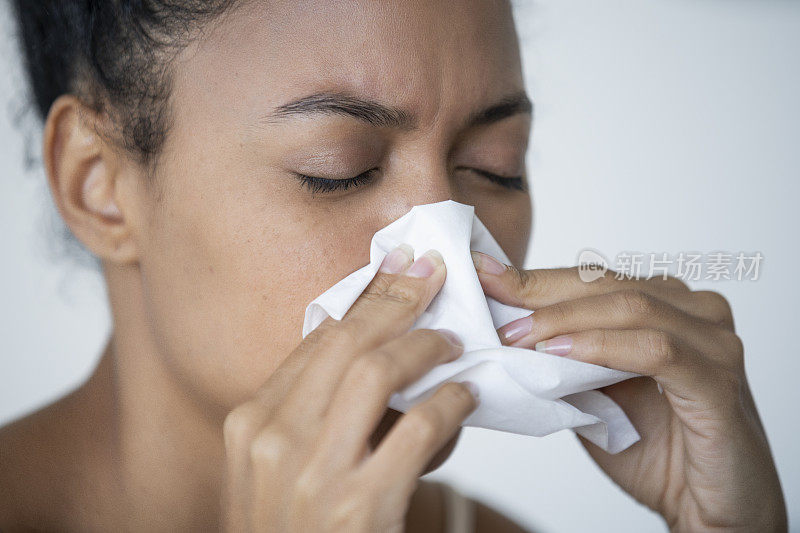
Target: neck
pixel 164 447
pixel 169 449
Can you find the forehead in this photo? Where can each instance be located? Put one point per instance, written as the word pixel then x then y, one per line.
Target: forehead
pixel 424 55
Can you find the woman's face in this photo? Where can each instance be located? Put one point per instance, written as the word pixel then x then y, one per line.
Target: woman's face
pixel 425 95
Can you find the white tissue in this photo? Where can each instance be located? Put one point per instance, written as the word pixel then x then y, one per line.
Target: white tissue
pixel 521 390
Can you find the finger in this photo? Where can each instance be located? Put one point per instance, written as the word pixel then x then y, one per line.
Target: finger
pixel 361 399
pixel 275 459
pixel 279 382
pixel 711 306
pixel 540 287
pixel 388 307
pixel 247 419
pixel 416 438
pixel 677 366
pixel 646 407
pixel 625 309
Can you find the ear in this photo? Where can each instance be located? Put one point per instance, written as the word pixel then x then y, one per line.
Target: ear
pixel 84 171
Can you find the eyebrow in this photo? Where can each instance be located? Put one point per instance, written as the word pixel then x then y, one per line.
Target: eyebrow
pixel 380 115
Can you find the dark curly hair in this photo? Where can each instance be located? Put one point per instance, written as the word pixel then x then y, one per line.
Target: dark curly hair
pixel 114 55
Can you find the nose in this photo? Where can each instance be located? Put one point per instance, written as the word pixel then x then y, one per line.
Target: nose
pixel 421 184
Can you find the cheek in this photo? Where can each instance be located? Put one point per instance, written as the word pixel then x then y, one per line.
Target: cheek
pixel 510 224
pixel 226 283
pixel 228 267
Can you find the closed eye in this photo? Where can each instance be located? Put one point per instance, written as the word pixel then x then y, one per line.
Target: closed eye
pixel 316 184
pixel 510 182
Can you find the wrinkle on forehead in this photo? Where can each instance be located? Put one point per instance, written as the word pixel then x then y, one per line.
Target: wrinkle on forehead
pixel 410 53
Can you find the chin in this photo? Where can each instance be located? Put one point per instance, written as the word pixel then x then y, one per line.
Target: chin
pixel 390 417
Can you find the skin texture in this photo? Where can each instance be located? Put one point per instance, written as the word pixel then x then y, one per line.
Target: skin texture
pixel 703 462
pixel 211 261
pixel 207 409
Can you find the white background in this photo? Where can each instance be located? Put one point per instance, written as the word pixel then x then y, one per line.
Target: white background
pixel 661 126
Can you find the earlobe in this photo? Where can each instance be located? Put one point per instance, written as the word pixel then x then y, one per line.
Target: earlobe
pixel 84 171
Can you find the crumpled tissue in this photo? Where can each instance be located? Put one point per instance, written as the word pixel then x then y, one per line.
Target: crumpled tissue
pixel 521 391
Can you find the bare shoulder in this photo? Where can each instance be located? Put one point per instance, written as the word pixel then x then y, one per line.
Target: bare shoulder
pixel 489 520
pixel 439 503
pixel 29 448
pixel 46 460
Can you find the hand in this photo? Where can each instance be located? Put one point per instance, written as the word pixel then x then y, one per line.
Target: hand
pixel 298 453
pixel 703 462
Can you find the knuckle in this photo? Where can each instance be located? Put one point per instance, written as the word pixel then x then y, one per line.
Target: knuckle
pixel 522 277
pixel 718 305
pixel 661 347
pixel 239 427
pixel 379 284
pixel 307 487
pixel 670 282
pixel 376 368
pixel 611 280
pixel 635 303
pixel 597 342
pixel 528 283
pixel 270 447
pixel 733 346
pixel 676 283
pixel 611 274
pixel 352 513
pixel 372 296
pixel 345 334
pixel 402 295
pixel 551 315
pixel 423 425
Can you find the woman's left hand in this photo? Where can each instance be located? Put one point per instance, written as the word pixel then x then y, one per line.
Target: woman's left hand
pixel 703 461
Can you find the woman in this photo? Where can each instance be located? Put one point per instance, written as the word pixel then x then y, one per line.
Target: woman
pixel 227 161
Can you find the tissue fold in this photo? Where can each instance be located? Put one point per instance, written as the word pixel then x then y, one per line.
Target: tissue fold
pixel 521 390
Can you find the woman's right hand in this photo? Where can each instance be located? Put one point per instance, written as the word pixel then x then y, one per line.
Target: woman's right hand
pixel 298 452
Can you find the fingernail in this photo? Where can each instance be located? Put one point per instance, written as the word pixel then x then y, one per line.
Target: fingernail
pixel 451 336
pixel 516 329
pixel 561 345
pixel 487 264
pixel 425 265
pixel 398 259
pixel 473 389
